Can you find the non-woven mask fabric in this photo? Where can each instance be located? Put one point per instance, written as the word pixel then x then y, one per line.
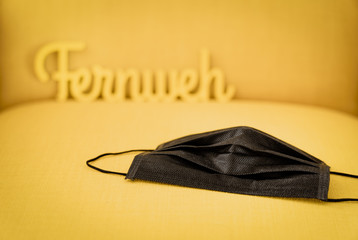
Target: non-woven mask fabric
pixel 236 160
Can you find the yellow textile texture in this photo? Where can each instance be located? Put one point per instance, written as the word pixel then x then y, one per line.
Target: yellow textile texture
pixel 48 192
pixel 298 51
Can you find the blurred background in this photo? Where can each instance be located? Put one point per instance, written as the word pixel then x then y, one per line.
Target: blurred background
pixel 298 51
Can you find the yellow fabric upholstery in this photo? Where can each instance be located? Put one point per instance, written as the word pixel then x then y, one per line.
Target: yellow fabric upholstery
pixel 299 51
pixel 47 191
pixel 296 51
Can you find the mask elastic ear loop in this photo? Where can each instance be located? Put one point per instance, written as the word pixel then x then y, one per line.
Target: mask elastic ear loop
pixel 112 154
pixel 342 199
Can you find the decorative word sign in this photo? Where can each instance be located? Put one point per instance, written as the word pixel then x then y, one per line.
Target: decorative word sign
pixel 86 84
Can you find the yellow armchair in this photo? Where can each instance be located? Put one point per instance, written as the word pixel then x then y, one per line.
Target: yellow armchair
pixel 292 64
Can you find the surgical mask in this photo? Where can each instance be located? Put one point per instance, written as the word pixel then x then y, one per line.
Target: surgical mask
pixel 240 160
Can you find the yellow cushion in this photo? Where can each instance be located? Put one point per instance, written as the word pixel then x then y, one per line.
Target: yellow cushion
pixel 297 51
pixel 48 192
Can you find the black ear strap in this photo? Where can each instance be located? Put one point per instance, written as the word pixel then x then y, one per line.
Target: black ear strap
pixel 342 199
pixel 112 154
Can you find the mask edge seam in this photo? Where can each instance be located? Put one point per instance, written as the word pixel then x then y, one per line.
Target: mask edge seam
pixel 134 167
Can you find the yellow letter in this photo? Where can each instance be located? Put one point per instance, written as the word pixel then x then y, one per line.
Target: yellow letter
pixel 61 75
pixel 188 84
pixel 213 78
pixel 129 81
pixel 81 84
pixel 110 91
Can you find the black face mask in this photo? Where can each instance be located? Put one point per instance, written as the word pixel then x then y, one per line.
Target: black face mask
pixel 236 160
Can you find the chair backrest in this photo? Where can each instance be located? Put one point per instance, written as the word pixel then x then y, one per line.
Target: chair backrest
pixel 303 51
